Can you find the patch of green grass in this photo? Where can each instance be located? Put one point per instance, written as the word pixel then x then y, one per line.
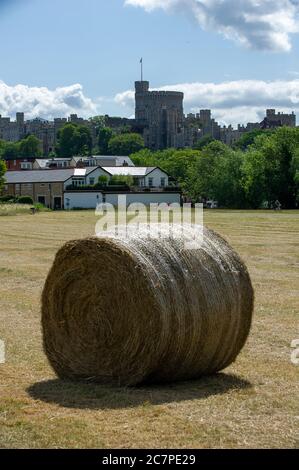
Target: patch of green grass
pixel 9 209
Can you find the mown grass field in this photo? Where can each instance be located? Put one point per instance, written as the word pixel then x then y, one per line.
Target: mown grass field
pixel 254 403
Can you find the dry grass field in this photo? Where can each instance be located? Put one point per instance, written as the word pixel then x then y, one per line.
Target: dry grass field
pixel 254 403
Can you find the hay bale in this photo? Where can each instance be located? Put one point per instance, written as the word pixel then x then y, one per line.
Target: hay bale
pixel 129 311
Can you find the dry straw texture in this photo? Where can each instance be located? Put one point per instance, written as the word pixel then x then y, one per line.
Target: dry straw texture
pixel 125 311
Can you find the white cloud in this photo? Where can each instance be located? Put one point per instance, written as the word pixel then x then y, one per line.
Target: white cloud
pixel 45 103
pixel 232 102
pixel 258 24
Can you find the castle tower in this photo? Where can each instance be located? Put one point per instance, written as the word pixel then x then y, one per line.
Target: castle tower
pixel 161 115
pixel 141 87
pixel 20 119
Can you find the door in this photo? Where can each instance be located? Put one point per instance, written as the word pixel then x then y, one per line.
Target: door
pixel 57 203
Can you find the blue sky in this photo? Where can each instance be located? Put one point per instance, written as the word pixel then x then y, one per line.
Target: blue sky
pixel 90 50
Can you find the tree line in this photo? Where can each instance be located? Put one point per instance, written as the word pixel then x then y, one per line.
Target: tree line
pixel 76 140
pixel 262 168
pixel 29 147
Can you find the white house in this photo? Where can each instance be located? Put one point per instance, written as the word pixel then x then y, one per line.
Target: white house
pixel 150 187
pixel 86 176
pixel 66 188
pixel 145 177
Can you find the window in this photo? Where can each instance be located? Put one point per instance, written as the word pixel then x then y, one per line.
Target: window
pixel 151 182
pixel 25 166
pixel 91 181
pixel 163 182
pixel 78 182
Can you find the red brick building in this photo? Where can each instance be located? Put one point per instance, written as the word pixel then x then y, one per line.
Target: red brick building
pixel 19 163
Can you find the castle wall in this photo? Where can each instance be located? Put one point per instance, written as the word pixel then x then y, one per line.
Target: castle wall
pixel 162 116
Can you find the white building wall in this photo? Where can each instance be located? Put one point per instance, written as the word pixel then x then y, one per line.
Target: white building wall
pixel 96 174
pixel 156 174
pixel 82 200
pixel 89 200
pixel 145 198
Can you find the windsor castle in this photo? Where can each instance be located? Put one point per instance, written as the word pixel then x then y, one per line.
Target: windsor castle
pixel 159 118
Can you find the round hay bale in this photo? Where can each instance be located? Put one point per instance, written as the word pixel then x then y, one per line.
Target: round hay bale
pixel 131 310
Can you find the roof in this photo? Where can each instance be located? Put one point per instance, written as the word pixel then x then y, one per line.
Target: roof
pixel 130 171
pixel 59 159
pixel 119 159
pixel 44 162
pixel 19 158
pixel 45 176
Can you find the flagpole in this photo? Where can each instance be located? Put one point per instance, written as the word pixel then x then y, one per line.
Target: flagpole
pixel 141 62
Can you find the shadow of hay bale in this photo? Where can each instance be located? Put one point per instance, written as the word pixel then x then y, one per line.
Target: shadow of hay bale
pixel 91 396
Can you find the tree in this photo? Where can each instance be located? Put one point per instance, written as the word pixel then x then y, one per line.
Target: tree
pixel 125 144
pixel 271 168
pixel 175 162
pixel 98 122
pixel 217 174
pixel 2 147
pixel 199 181
pixel 145 157
pixel 2 173
pixel 203 142
pixel 248 138
pixel 254 178
pixel 226 184
pixel 74 139
pixel 26 148
pixel 30 147
pixel 105 135
pixel 10 151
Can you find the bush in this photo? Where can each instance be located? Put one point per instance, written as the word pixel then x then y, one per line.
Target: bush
pixel 118 187
pixel 103 180
pixel 25 200
pixel 7 198
pixel 121 180
pixel 40 207
pixel 125 144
